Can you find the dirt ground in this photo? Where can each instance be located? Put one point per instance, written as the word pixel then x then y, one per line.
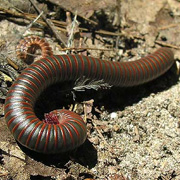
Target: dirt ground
pixel 133 133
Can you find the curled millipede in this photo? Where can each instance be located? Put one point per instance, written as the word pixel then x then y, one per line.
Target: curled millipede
pixel 63 130
pixel 29 45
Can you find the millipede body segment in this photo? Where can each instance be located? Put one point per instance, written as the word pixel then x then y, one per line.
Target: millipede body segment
pixel 70 132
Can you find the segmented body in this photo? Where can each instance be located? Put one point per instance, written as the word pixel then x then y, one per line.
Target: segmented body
pixel 29 45
pixel 71 131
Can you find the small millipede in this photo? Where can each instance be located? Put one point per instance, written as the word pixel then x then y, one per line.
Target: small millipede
pixel 29 45
pixel 63 130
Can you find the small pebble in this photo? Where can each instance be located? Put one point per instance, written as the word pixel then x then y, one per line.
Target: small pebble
pixel 114 116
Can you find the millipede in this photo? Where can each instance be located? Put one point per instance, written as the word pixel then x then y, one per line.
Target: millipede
pixel 63 130
pixel 28 47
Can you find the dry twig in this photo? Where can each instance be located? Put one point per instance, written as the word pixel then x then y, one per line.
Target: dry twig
pixel 167 45
pixel 11 63
pixel 66 9
pixel 59 25
pixel 49 23
pixel 86 48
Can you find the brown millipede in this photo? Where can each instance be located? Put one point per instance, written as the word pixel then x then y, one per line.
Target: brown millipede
pixel 29 45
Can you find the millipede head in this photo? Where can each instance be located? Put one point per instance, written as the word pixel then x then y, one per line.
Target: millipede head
pixel 69 126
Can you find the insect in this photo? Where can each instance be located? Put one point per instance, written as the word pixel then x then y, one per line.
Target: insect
pixel 63 130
